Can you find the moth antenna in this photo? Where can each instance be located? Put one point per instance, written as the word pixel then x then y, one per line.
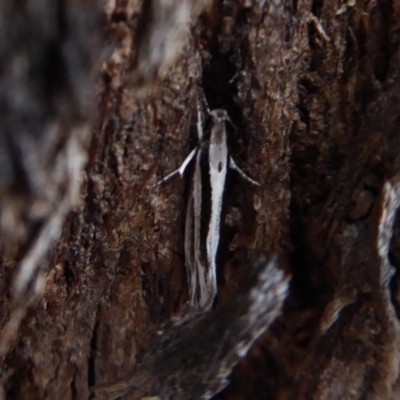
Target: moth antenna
pixel 199 123
pixel 231 122
pixel 205 102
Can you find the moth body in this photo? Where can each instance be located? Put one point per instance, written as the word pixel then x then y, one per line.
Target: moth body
pixel 218 166
pixel 211 161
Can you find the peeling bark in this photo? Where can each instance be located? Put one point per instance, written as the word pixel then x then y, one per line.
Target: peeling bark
pixel 192 357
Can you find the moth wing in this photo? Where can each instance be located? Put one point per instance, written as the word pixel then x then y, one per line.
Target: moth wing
pixel 190 260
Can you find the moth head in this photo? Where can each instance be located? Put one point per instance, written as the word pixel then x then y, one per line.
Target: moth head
pixel 218 115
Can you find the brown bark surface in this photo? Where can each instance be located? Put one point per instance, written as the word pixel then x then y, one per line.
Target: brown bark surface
pixel 313 88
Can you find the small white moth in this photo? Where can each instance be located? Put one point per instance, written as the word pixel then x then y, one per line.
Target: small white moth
pixel 212 161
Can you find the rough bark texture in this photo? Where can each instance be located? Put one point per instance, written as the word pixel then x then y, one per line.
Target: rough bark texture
pixel 313 87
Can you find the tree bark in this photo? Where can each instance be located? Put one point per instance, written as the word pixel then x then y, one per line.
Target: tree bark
pixel 313 89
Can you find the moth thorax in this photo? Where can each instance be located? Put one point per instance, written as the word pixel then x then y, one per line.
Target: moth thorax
pixel 218 134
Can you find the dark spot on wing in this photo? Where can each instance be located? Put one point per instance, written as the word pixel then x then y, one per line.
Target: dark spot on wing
pixel 220 166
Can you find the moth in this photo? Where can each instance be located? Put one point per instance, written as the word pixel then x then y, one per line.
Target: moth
pixel 210 162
